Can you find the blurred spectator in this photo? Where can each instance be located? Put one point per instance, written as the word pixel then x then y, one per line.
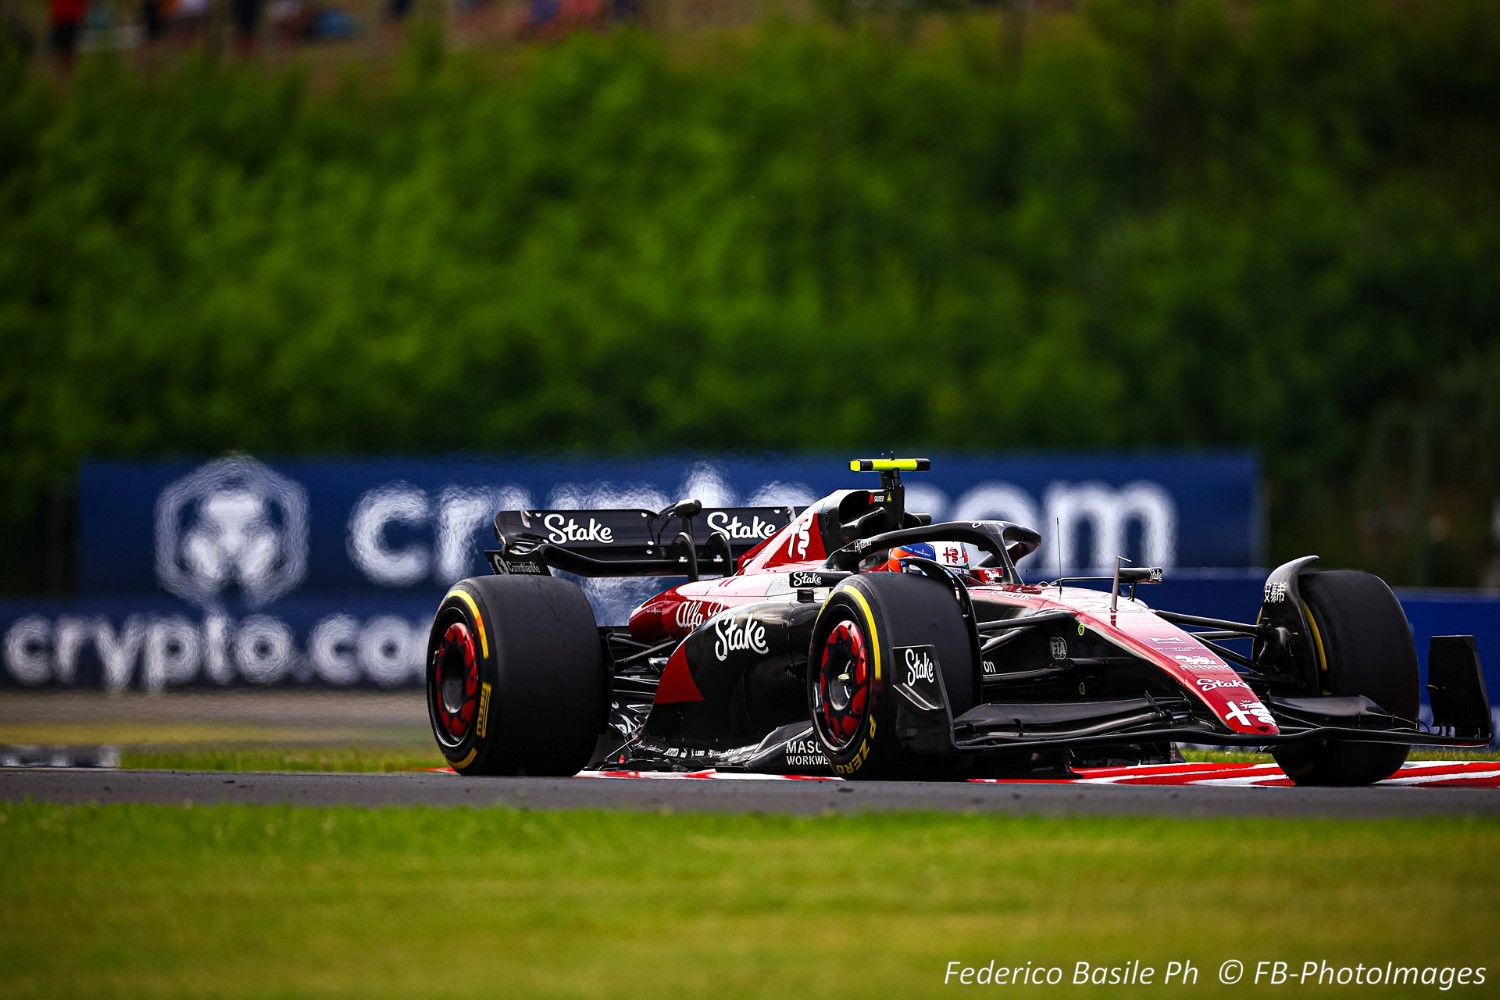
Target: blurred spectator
pixel 65 22
pixel 153 20
pixel 291 20
pixel 246 14
pixel 582 13
pixel 309 20
pixel 555 18
pixel 335 23
pixel 541 18
pixel 188 17
pixel 397 12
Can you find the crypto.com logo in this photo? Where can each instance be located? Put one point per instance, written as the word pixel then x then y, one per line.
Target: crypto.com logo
pixel 231 526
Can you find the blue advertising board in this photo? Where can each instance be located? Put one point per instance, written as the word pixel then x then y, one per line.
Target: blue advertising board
pixel 237 531
pixel 152 643
pixel 325 571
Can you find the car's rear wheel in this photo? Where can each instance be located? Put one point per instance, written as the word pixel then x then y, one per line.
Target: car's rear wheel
pixel 516 682
pixel 852 663
pixel 1361 643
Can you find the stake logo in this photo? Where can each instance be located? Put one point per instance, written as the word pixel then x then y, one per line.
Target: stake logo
pixel 919 665
pixel 563 530
pixel 1214 684
pixel 739 530
pixel 231 527
pixel 732 635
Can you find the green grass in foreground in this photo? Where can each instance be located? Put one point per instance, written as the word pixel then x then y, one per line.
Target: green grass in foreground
pixel 273 901
pixel 273 758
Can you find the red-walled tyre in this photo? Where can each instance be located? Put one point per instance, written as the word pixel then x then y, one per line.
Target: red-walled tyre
pixel 516 680
pixel 851 669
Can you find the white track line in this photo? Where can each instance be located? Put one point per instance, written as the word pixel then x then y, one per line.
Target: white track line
pixel 1429 779
pixel 1413 774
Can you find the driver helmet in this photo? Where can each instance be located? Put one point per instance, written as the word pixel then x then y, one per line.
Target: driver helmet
pixel 954 555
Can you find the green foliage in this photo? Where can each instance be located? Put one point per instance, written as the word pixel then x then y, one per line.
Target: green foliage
pixel 1172 225
pixel 249 757
pixel 276 901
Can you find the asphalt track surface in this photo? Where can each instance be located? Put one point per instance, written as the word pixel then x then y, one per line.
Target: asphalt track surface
pixel 805 798
pixel 399 719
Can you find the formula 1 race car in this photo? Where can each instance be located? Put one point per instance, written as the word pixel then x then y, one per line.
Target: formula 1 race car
pixel 858 639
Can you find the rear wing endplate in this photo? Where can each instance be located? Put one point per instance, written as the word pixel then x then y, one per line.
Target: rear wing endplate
pixel 686 539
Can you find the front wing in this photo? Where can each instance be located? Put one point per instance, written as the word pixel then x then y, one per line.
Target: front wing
pixel 1461 718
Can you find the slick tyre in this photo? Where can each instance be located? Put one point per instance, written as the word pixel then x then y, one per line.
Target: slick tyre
pixel 852 666
pixel 1362 644
pixel 516 682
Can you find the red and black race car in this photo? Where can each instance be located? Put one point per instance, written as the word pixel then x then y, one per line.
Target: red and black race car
pixel 859 639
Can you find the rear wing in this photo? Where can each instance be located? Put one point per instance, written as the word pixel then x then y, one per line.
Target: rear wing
pixel 686 539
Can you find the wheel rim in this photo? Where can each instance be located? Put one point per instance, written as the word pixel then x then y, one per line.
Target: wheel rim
pixel 842 694
pixel 453 684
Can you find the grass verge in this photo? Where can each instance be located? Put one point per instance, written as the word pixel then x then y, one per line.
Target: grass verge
pixel 243 901
pixel 272 758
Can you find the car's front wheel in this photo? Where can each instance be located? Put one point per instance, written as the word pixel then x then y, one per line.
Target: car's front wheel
pixel 1361 643
pixel 852 668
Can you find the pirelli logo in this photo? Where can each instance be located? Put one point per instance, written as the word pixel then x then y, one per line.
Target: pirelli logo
pixel 859 757
pixel 484 709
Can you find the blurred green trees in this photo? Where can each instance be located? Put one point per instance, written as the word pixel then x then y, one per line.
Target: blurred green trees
pixel 1189 224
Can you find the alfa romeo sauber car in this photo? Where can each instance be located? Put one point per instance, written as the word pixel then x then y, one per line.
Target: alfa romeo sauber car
pixel 858 639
